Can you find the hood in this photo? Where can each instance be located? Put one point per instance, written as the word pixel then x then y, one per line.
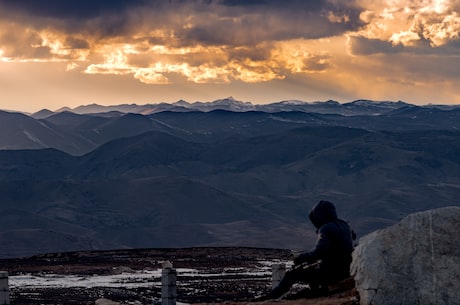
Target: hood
pixel 322 213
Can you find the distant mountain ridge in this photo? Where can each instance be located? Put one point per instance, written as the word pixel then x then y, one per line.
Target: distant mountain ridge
pixel 357 107
pixel 81 130
pixel 231 104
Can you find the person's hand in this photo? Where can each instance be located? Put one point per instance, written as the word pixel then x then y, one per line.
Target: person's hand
pixel 300 259
pixel 297 261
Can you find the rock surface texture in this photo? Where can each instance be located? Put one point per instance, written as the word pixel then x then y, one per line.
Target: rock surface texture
pixel 416 261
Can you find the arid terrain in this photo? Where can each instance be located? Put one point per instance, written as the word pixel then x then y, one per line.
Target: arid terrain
pixel 204 275
pixel 117 178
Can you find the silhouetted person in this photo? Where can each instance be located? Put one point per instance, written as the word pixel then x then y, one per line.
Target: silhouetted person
pixel 329 261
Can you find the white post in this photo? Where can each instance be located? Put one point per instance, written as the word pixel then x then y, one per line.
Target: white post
pixel 278 272
pixel 4 288
pixel 168 284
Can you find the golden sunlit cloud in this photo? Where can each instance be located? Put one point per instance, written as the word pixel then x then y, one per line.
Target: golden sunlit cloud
pixel 407 23
pixel 150 76
pixel 218 43
pixel 203 64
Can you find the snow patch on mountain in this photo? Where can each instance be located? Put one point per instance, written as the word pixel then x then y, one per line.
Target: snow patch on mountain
pixel 33 138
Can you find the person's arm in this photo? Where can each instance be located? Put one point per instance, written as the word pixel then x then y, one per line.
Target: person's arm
pixel 302 258
pixel 323 245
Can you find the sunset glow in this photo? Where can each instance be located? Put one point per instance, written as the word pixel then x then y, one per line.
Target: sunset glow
pixel 154 51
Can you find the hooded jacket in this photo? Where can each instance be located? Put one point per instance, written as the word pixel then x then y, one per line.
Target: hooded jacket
pixel 335 242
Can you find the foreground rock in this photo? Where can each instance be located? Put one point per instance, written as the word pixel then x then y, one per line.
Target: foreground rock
pixel 416 261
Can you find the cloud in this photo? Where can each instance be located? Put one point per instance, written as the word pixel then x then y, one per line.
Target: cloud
pixel 359 45
pixel 220 41
pixel 362 46
pixel 416 25
pixel 201 64
pixel 82 9
pixel 204 41
pixel 191 22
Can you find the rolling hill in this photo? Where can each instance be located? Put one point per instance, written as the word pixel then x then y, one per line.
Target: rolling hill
pixel 221 178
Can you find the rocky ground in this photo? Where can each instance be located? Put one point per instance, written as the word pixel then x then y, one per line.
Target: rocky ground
pixel 204 275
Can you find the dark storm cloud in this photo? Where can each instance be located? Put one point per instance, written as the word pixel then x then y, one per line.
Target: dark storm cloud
pixel 210 22
pixel 244 2
pixel 251 22
pixel 365 46
pixel 87 17
pixel 81 9
pixel 311 5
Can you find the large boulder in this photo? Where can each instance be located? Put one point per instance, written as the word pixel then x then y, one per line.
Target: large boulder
pixel 416 261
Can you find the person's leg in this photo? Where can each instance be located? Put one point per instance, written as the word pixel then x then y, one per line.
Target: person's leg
pixel 315 278
pixel 299 274
pixel 289 279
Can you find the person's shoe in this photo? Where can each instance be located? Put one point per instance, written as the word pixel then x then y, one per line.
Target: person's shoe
pixel 309 294
pixel 272 295
pixel 261 298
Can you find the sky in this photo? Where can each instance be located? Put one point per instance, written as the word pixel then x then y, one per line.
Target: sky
pixel 56 53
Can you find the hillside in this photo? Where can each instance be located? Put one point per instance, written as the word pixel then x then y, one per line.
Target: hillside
pixel 79 131
pixel 226 173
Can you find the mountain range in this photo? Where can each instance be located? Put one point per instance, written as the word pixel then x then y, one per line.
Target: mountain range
pixel 226 173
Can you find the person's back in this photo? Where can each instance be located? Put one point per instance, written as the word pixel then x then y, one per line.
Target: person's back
pixel 334 245
pixel 336 259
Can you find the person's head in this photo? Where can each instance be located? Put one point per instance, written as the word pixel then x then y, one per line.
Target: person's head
pixel 323 212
